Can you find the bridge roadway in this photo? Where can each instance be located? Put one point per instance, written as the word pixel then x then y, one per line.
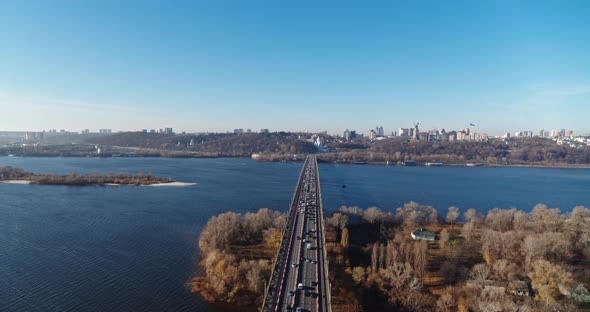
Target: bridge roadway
pixel 300 276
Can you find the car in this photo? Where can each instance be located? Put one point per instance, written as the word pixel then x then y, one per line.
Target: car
pixel 307 293
pixel 300 286
pixel 314 261
pixel 293 265
pixel 299 309
pixel 307 260
pixel 291 293
pixel 304 240
pixel 314 283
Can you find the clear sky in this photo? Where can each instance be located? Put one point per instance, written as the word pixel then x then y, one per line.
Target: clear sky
pixel 294 65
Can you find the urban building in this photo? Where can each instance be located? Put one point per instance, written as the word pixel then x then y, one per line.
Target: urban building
pixel 238 131
pixel 168 131
pixel 264 131
pixel 379 131
pixel 372 135
pixel 101 131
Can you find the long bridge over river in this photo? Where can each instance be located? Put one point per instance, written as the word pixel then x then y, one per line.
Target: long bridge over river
pixel 299 281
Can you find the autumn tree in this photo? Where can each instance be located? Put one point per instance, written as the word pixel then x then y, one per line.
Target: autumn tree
pixel 358 274
pixel 546 278
pixel 344 238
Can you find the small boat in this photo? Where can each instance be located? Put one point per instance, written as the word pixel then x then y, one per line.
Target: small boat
pixel 434 164
pixel 360 163
pixel 409 163
pixel 474 165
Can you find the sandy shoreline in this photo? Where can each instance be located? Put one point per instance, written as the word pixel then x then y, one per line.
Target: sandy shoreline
pixel 105 184
pixel 173 184
pixel 16 182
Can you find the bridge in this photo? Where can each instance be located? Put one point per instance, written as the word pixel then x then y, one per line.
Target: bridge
pixel 299 281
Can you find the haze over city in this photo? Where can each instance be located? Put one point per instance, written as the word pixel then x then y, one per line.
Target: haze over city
pixel 302 66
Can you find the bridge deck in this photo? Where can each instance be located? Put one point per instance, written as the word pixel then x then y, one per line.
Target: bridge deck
pixel 300 275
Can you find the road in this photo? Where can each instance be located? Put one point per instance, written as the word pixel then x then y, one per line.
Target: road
pixel 300 277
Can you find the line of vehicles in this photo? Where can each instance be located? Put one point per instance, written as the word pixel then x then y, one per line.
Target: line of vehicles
pixel 306 252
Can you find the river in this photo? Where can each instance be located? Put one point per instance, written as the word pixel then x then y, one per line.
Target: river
pixel 134 248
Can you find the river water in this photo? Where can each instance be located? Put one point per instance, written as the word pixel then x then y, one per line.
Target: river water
pixel 134 248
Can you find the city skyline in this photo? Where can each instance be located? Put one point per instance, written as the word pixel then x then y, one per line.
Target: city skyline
pixel 503 66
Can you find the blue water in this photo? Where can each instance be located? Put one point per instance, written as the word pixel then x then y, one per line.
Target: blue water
pixel 134 248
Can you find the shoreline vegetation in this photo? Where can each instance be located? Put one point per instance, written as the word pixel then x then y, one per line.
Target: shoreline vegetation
pixel 506 260
pixel 12 175
pixel 236 256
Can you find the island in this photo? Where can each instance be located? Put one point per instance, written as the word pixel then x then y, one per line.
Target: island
pixel 9 174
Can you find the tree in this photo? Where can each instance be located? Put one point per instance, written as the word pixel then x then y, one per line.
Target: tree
pixel 480 272
pixel 445 237
pixel 546 219
pixel 452 215
pixel 471 215
pixel 500 219
pixel 412 214
pixel 375 258
pixel 344 238
pixel 338 220
pixel 446 302
pixel 373 214
pixel 420 258
pixel 358 274
pixel 468 231
pixel 546 278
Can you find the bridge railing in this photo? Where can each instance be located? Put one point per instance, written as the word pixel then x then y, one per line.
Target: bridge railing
pixel 326 276
pixel 271 295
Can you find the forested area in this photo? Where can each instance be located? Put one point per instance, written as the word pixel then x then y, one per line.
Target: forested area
pixel 538 151
pixel 236 253
pixel 507 260
pixel 214 144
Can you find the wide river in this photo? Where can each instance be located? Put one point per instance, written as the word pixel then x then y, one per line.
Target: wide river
pixel 134 248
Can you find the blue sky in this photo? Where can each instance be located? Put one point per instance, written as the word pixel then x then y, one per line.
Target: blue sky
pixel 295 65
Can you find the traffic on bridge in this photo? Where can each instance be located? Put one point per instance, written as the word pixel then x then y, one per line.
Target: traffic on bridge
pixel 299 281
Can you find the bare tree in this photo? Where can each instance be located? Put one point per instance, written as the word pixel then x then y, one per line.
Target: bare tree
pixel 445 237
pixel 420 258
pixel 452 215
pixel 375 258
pixel 373 215
pixel 468 231
pixel 480 272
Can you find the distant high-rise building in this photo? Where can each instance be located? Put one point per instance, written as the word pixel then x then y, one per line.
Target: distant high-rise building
pixel 249 131
pixel 346 135
pixel 105 131
pixel 238 131
pixel 569 133
pixel 372 134
pixel 168 131
pixel 86 131
pixel 404 132
pixel 264 130
pixel 542 133
pixel 379 131
pixel 562 133
pixel 554 133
